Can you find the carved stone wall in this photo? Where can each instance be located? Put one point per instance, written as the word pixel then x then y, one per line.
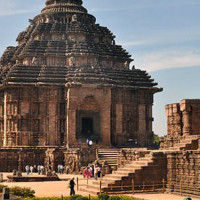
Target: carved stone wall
pixel 182 120
pixel 17 159
pixel 131 118
pixel 184 169
pixel 32 116
pixel 127 155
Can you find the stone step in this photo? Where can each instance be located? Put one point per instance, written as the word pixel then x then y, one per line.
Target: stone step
pixel 89 190
pixel 174 148
pixel 133 167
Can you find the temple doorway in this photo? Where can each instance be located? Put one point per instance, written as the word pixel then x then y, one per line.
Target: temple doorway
pixel 87 127
pixel 87 124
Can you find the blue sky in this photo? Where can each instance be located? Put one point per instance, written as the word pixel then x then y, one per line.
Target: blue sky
pixel 162 36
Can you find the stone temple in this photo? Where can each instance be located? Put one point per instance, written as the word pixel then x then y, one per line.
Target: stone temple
pixel 67 81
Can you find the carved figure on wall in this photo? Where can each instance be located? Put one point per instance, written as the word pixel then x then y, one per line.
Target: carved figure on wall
pixel 96 62
pixel 126 65
pixel 74 18
pixel 71 162
pixel 35 61
pixel 71 61
pixel 49 159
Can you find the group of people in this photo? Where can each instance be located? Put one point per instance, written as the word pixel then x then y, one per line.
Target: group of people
pixel 34 169
pixel 93 171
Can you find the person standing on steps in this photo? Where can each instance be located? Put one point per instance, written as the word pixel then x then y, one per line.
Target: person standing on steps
pixel 71 186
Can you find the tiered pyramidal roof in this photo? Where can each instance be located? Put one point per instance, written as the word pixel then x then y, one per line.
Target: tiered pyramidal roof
pixel 63 45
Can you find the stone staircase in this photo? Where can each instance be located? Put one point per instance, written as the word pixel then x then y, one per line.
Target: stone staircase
pixel 150 168
pixel 189 142
pixel 109 155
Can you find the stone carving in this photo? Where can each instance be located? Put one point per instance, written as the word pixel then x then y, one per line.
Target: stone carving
pixel 126 65
pixel 74 18
pixel 71 61
pixel 96 62
pixel 35 61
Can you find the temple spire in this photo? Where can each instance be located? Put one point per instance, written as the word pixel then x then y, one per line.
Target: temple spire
pixel 78 2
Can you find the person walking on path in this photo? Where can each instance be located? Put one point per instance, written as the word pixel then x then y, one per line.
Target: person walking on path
pixel 71 186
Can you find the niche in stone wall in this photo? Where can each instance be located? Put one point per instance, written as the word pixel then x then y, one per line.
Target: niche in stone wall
pixel 35 109
pixel 36 125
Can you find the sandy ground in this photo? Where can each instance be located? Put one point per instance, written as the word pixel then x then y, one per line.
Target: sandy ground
pixel 59 188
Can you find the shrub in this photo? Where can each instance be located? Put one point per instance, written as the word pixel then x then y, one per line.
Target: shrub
pixel 82 198
pixel 1 187
pixel 103 196
pixel 74 197
pixel 22 191
pixel 115 198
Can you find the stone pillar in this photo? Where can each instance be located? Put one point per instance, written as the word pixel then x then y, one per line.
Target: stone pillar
pixel 142 125
pixel 70 119
pixel 186 123
pixel 119 114
pixel 52 134
pixel 5 120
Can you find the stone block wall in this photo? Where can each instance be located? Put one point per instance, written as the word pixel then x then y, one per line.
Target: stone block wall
pixel 182 120
pixel 32 116
pixel 17 159
pixel 184 169
pixel 127 155
pixel 131 118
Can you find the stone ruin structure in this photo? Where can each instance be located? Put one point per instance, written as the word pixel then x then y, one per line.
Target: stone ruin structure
pixel 183 121
pixel 67 81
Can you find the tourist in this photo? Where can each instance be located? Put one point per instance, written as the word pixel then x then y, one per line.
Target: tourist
pixel 39 169
pixel 27 168
pixel 92 168
pixel 85 172
pixel 99 171
pixel 90 143
pixel 35 168
pixel 42 170
pixel 95 172
pixel 87 142
pixel 61 169
pixel 31 169
pixel 67 169
pixel 89 172
pixel 71 186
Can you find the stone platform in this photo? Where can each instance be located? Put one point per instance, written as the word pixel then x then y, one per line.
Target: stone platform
pixel 32 178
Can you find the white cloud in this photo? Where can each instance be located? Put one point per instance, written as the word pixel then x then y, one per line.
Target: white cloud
pixel 9 7
pixel 168 59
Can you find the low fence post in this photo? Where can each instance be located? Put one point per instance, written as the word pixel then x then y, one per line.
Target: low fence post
pixel 89 197
pixel 133 186
pixel 100 185
pixel 77 183
pixel 181 188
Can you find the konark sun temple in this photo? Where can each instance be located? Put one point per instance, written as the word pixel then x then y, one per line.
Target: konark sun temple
pixel 68 81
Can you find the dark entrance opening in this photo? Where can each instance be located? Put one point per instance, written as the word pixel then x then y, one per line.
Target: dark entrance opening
pixel 87 127
pixel 87 124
